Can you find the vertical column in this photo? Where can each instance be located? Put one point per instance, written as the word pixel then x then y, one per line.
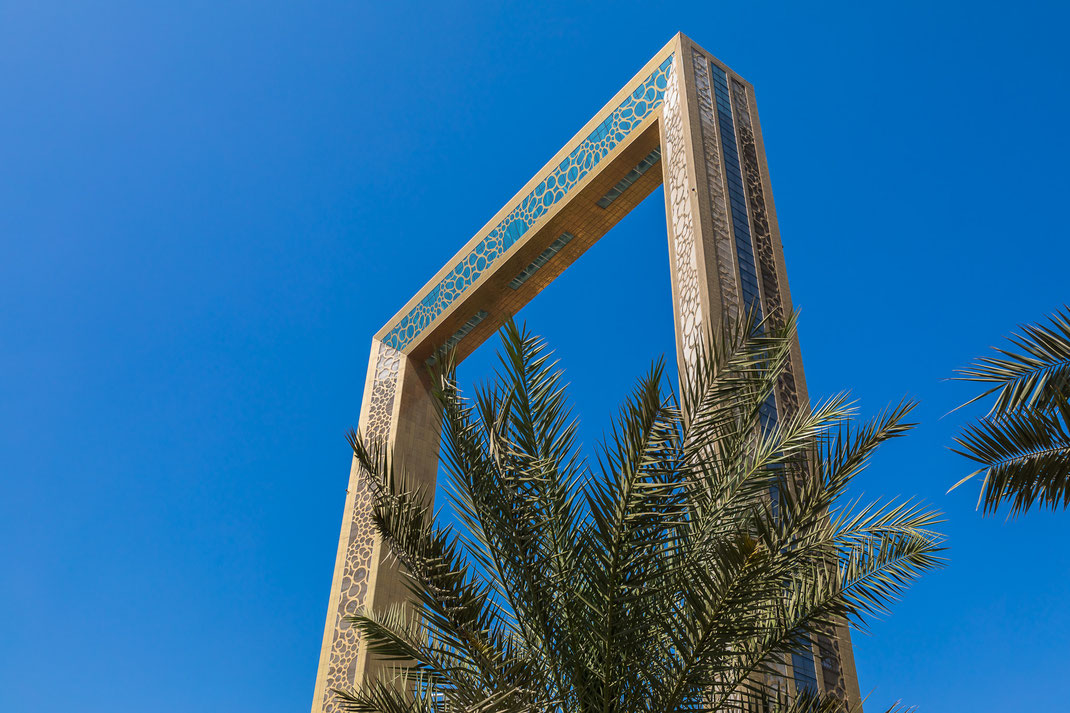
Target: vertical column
pixel 706 272
pixel 690 294
pixel 832 647
pixel 786 401
pixel 703 281
pixel 726 256
pixel 399 413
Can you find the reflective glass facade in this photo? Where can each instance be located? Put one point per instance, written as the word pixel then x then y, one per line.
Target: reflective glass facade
pixel 803 667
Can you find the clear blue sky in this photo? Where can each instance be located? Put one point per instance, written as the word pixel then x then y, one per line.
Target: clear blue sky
pixel 208 208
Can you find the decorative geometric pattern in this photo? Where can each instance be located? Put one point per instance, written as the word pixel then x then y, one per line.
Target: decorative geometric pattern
pixel 831 673
pixel 387 365
pixel 737 209
pixel 341 670
pixel 763 240
pixel 722 239
pixel 678 191
pixel 737 202
pixel 638 105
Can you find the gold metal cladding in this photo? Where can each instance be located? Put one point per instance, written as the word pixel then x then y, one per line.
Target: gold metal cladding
pixel 684 120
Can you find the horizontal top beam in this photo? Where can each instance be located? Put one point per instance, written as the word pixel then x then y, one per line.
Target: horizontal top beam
pixel 440 302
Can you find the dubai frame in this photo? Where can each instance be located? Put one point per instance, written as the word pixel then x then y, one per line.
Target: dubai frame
pixel 686 120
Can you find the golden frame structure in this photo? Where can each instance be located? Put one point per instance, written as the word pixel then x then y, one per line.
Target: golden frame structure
pixel 684 119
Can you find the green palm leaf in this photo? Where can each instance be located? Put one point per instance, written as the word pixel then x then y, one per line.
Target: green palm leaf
pixel 1023 444
pixel 679 572
pixel 1034 375
pixel 1025 458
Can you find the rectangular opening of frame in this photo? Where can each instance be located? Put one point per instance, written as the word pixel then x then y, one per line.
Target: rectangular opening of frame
pixel 623 184
pixel 542 259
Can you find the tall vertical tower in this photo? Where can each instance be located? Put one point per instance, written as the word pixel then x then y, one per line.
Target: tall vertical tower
pixel 686 120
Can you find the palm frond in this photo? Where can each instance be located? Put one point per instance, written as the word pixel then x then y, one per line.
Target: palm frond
pixel 677 575
pixel 634 509
pixel 1023 443
pixel 808 701
pixel 1024 456
pixel 1034 374
pixel 454 604
pixel 403 695
pixel 513 474
pixel 736 370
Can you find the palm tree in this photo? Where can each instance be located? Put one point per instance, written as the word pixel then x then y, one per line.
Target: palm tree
pixel 1023 443
pixel 676 574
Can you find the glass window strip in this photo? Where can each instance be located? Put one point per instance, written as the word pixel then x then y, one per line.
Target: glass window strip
pixel 632 176
pixel 543 258
pixel 803 666
pixel 457 336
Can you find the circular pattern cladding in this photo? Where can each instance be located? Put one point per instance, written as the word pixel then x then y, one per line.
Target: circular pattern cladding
pixel 678 189
pixel 345 647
